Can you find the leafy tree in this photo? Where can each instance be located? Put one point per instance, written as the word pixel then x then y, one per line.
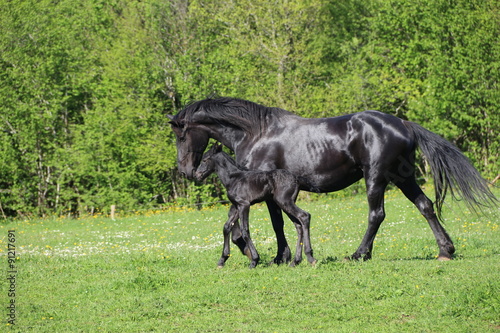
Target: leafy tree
pixel 45 84
pixel 85 86
pixel 444 55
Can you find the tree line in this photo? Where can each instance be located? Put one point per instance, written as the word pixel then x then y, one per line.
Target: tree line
pixel 86 86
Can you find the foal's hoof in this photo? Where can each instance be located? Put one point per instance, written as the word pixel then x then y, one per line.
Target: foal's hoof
pixel 314 262
pixel 443 258
pixel 253 263
pixel 222 262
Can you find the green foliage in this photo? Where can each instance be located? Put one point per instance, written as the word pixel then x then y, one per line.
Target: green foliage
pixel 86 86
pixel 82 109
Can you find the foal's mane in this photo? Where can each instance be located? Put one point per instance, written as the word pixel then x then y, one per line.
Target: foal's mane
pixel 231 160
pixel 235 112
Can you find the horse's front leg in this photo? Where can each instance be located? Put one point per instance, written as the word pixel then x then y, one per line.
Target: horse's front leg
pixel 283 254
pixel 251 251
pixel 228 227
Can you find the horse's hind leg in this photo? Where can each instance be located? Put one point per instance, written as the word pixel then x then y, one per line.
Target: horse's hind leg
pixel 415 194
pixel 284 255
pixel 375 192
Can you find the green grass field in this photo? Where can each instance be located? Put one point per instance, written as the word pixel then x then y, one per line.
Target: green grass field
pixel 157 272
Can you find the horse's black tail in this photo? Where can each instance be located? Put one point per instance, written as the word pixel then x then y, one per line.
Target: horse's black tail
pixel 452 171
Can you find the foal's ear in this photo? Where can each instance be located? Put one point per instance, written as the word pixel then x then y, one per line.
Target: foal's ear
pixel 216 147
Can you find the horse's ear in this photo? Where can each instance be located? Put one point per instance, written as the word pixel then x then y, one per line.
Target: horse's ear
pixel 173 122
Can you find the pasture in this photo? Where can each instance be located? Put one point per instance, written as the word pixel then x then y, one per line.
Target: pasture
pixel 156 272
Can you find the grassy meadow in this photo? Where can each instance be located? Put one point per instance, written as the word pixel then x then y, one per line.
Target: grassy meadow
pixel 156 272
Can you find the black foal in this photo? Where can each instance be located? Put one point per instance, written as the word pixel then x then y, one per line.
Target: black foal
pixel 245 188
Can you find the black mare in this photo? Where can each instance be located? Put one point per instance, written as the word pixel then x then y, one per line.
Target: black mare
pixel 245 188
pixel 333 153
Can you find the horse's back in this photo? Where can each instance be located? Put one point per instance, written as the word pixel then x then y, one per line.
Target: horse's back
pixel 332 152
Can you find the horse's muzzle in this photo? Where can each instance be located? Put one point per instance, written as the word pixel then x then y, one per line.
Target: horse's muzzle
pixel 188 174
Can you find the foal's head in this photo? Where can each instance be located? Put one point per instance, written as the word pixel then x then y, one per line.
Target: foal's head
pixel 207 165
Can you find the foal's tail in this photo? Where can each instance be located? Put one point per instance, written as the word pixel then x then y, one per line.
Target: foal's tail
pixel 452 171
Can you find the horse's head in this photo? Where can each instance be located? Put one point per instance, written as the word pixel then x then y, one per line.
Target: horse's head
pixel 191 141
pixel 207 165
pixel 226 120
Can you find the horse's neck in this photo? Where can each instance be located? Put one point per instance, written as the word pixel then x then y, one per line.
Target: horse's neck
pixel 238 140
pixel 228 136
pixel 225 168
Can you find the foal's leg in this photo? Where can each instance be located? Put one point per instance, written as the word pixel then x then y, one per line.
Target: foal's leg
pixel 228 226
pixel 285 197
pixel 301 220
pixel 251 252
pixel 305 222
pixel 415 194
pixel 300 236
pixel 284 255
pixel 375 191
pixel 237 237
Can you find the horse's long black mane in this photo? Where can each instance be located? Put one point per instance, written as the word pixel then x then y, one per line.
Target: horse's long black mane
pixel 235 112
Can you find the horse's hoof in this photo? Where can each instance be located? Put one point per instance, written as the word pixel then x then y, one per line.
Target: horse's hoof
pixel 276 261
pixel 253 264
pixel 220 266
pixel 443 258
pixel 314 262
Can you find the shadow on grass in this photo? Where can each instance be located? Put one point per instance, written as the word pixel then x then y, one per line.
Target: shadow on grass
pixel 329 260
